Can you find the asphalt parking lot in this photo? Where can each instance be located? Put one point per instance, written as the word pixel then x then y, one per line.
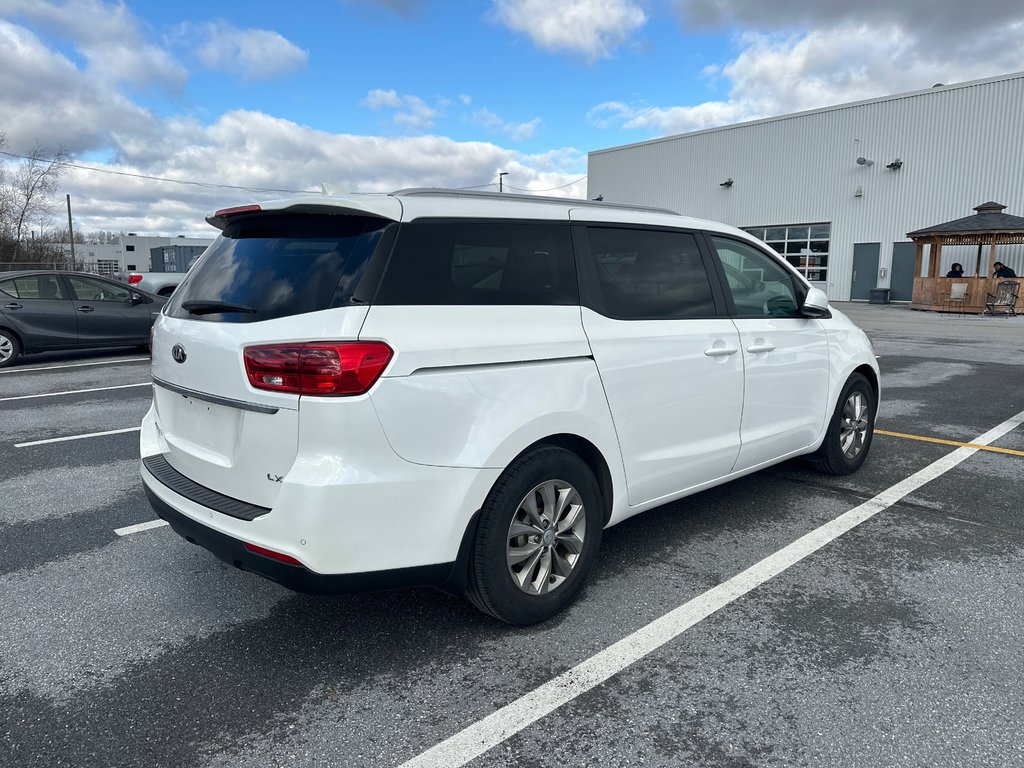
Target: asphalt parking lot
pixel 896 642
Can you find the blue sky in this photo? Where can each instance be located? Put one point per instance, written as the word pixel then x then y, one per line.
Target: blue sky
pixel 372 95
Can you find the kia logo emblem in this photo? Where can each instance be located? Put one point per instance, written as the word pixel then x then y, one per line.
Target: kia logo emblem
pixel 178 353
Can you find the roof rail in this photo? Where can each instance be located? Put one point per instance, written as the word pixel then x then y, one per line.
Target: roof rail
pixel 567 201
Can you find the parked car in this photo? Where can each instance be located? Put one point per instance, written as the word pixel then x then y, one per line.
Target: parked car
pixel 437 387
pixel 48 310
pixel 159 283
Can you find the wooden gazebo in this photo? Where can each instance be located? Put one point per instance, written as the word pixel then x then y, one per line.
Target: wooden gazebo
pixel 988 227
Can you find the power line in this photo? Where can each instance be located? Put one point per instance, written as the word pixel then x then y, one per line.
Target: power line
pixel 552 189
pixel 211 185
pixel 112 172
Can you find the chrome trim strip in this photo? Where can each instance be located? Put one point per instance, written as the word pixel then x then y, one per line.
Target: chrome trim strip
pixel 215 399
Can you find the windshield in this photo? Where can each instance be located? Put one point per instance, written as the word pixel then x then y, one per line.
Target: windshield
pixel 272 266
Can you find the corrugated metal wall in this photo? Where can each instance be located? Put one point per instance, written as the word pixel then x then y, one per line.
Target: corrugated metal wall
pixel 961 145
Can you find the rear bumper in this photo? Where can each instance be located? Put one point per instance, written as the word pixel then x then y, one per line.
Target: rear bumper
pixel 296 577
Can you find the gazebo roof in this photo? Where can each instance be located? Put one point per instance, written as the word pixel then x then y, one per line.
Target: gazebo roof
pixel 988 220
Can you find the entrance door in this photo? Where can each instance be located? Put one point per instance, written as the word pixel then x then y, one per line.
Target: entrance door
pixel 901 282
pixel 865 270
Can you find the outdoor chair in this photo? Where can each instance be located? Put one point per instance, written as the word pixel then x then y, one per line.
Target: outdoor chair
pixel 1004 299
pixel 958 293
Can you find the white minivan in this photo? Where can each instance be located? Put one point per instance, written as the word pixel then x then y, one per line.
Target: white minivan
pixel 464 389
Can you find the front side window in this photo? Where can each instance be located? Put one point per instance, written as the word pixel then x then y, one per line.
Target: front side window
pixel 650 274
pixel 33 287
pixel 759 286
pixel 455 262
pixel 90 289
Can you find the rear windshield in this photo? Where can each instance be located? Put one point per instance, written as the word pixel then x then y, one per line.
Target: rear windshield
pixel 273 266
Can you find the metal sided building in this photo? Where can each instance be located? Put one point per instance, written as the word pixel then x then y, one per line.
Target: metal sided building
pixel 837 189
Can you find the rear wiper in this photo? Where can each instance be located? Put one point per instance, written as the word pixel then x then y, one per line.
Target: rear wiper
pixel 210 307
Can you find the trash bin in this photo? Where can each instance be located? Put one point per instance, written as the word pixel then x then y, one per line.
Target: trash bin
pixel 879 296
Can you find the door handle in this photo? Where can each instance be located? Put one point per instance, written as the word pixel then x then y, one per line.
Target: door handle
pixel 13 305
pixel 86 309
pixel 720 351
pixel 762 347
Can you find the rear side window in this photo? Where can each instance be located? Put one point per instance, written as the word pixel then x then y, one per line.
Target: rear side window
pixel 271 266
pixel 33 287
pixel 480 262
pixel 650 274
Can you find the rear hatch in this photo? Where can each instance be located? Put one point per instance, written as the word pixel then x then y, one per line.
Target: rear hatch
pixel 274 279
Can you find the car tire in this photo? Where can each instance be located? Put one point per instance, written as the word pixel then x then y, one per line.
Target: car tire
pixel 850 431
pixel 10 349
pixel 537 539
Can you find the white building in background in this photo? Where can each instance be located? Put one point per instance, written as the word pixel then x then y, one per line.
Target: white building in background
pixel 130 252
pixel 837 189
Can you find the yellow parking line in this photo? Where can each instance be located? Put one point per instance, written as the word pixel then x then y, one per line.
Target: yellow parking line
pixel 923 439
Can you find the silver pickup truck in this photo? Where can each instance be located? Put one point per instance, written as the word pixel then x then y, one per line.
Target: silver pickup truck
pixel 160 283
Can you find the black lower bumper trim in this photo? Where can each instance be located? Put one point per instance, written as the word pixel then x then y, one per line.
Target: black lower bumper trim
pixel 298 578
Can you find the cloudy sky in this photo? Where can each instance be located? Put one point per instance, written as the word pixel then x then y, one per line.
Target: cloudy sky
pixel 375 95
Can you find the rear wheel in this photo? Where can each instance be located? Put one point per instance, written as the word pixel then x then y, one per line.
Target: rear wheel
pixel 9 348
pixel 849 433
pixel 539 532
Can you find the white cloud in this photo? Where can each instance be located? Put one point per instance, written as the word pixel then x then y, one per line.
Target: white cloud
pixel 782 72
pixel 594 28
pixel 108 36
pixel 252 54
pixel 44 98
pixel 253 149
pixel 516 131
pixel 409 111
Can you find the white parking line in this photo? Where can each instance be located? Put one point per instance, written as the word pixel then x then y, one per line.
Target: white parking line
pixel 77 437
pixel 130 529
pixel 492 730
pixel 30 369
pixel 76 391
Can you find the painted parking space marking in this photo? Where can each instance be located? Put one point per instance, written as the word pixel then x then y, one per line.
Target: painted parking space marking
pixel 481 736
pixel 941 441
pixel 76 391
pixel 128 530
pixel 77 437
pixel 33 369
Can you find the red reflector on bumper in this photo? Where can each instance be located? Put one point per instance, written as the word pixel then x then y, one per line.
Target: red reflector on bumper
pixel 272 554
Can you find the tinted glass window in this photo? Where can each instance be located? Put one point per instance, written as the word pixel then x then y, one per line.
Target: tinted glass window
pixel 760 287
pixel 481 262
pixel 274 266
pixel 91 289
pixel 33 287
pixel 650 274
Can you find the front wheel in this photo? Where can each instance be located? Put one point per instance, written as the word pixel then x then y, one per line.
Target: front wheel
pixel 538 536
pixel 849 433
pixel 9 348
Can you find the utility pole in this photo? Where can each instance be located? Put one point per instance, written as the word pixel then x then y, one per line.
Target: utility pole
pixel 501 181
pixel 71 231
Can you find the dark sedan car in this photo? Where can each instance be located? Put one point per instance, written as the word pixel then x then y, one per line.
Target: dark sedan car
pixel 41 311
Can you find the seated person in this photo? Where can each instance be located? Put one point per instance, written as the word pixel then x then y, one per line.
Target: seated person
pixel 1002 270
pixel 957 270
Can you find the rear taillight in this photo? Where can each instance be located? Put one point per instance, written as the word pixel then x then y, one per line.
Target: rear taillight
pixel 134 279
pixel 325 368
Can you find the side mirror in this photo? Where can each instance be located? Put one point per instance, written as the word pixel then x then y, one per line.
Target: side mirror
pixel 137 298
pixel 815 303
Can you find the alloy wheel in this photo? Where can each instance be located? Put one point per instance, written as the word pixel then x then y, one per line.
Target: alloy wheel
pixel 853 426
pixel 545 538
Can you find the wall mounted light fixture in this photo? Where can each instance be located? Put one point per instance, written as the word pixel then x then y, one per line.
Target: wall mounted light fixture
pixel 895 165
pixel 727 183
pixel 858 192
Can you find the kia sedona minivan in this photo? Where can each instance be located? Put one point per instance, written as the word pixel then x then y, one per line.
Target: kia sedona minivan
pixel 461 389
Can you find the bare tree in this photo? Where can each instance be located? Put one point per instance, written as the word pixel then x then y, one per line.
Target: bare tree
pixel 28 196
